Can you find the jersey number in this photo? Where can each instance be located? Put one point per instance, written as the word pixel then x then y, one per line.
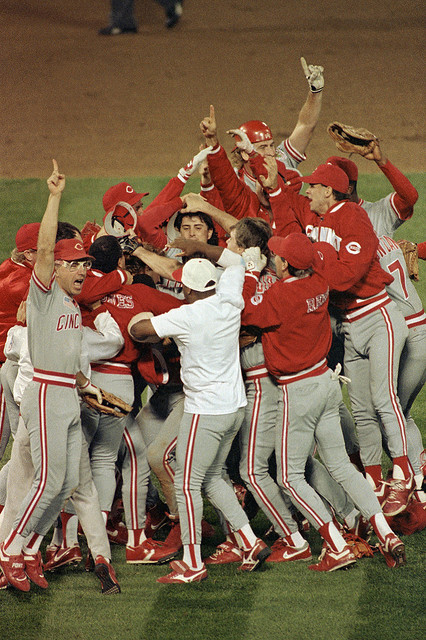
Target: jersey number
pixel 397 267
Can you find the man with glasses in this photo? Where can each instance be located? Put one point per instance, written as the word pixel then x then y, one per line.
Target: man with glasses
pixel 50 406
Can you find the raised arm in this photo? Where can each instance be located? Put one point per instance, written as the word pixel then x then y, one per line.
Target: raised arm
pixel 310 112
pixel 45 262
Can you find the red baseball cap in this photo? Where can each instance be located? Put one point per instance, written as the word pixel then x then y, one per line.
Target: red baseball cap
pixel 330 176
pixel 347 165
pixel 26 237
pixel 296 248
pixel 121 192
pixel 71 249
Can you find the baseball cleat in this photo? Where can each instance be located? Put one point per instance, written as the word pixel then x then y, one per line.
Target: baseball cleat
pixel 34 570
pixel 283 552
pixel 14 570
pixel 253 558
pixel 3 582
pixel 156 518
pixel 150 552
pixel 400 492
pixel 381 491
pixel 174 540
pixel 225 553
pixel 182 574
pixel 362 528
pixel 333 560
pixel 393 551
pixel 106 574
pixel 63 557
pixel 50 553
pixel 117 533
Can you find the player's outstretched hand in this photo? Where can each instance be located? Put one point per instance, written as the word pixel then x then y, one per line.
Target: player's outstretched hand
pixel 270 182
pixel 243 143
pixel 193 202
pixel 208 127
pixel 187 247
pixel 192 166
pixel 56 182
pixel 314 74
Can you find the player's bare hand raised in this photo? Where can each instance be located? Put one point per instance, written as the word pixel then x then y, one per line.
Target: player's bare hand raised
pixel 209 128
pixel 270 182
pixel 56 182
pixel 193 202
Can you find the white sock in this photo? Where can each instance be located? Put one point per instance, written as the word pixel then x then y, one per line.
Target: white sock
pixel 296 540
pixel 14 548
pixel 192 556
pixel 135 538
pixel 246 537
pixel 32 543
pixel 380 526
pixel 397 473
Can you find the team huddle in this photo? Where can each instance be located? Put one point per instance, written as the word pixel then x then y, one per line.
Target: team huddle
pixel 237 313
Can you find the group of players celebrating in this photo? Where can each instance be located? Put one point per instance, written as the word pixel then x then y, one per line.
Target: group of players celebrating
pixel 235 312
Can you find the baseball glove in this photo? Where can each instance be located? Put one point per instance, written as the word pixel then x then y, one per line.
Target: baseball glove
pixel 358 546
pixel 352 140
pixel 128 244
pixel 411 256
pixel 111 404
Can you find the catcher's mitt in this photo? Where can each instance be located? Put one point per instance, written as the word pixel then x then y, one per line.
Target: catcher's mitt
pixel 352 140
pixel 411 256
pixel 358 546
pixel 111 404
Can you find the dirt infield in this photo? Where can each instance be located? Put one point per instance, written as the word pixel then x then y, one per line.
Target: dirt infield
pixel 131 105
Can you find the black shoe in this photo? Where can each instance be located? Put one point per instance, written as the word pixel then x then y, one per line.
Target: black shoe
pixel 173 15
pixel 116 31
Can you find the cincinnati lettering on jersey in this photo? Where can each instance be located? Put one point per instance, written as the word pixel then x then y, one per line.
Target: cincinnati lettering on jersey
pixel 120 301
pixel 386 245
pixel 324 234
pixel 68 321
pixel 315 303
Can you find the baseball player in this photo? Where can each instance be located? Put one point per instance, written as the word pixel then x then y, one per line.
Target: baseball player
pixel 294 311
pixel 103 432
pixel 249 237
pixel 375 330
pixel 386 215
pixel 122 18
pixel 206 331
pixel 54 429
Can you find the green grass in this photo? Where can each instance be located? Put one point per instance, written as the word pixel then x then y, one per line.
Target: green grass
pixel 280 602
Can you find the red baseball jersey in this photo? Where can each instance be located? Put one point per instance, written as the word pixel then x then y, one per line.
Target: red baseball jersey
pixel 356 274
pixel 294 316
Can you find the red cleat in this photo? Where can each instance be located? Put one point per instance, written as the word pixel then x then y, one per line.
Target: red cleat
pixel 117 533
pixel 150 552
pixel 332 560
pixel 14 570
pixel 225 553
pixel 283 552
pixel 106 574
pixel 399 495
pixel 34 570
pixel 182 574
pixel 253 558
pixel 393 551
pixel 63 557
